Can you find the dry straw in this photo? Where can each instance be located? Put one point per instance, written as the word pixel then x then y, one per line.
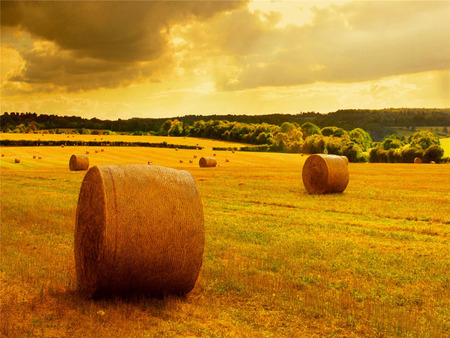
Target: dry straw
pixel 417 160
pixel 345 159
pixel 79 162
pixel 207 162
pixel 324 174
pixel 139 230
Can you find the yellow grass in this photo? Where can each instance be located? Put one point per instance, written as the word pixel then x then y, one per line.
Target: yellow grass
pixel 191 141
pixel 371 262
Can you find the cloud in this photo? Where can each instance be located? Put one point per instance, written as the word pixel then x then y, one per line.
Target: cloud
pixel 350 42
pixel 99 43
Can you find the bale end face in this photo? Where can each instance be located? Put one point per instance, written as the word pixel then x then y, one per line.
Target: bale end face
pixel 323 174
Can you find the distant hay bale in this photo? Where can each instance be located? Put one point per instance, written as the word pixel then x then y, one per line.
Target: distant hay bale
pixel 17 160
pixel 102 150
pixel 139 230
pixel 207 162
pixel 34 156
pixel 432 162
pixel 233 151
pixel 150 162
pixel 96 151
pixel 323 174
pixel 79 162
pixel 195 155
pixel 39 157
pixel 417 160
pixel 181 161
pixel 190 161
pixel 62 145
pixel 345 159
pixel 227 160
pixel 3 155
pixel 87 152
pixel 214 155
pixel 176 149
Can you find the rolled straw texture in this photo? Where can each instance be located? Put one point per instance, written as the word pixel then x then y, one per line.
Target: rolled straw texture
pixel 417 160
pixel 139 230
pixel 207 162
pixel 323 174
pixel 345 159
pixel 79 162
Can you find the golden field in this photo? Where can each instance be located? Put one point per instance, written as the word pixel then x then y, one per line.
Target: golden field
pixel 278 262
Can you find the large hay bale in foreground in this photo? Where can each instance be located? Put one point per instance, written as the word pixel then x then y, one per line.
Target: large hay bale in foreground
pixel 78 162
pixel 417 160
pixel 139 230
pixel 207 162
pixel 323 174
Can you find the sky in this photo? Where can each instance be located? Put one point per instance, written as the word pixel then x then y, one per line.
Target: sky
pixel 124 59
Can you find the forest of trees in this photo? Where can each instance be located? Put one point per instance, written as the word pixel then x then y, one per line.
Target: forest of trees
pixel 378 123
pixel 340 133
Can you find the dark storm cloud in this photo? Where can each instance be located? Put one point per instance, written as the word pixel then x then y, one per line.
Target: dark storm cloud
pixel 111 40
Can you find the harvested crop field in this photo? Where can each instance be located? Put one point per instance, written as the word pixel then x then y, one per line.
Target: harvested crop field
pixel 372 261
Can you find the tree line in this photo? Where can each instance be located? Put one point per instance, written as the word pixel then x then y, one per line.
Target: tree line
pixel 378 123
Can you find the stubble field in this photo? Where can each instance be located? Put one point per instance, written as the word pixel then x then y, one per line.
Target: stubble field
pixel 373 261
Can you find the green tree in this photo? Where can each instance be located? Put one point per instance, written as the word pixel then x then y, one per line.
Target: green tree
pixel 433 153
pixel 423 139
pixel 310 129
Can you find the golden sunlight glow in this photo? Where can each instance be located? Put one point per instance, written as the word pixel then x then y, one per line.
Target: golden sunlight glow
pixel 232 58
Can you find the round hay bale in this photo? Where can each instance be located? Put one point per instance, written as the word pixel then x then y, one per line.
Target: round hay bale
pixel 34 156
pixel 102 150
pixel 79 162
pixel 432 162
pixel 195 155
pixel 139 230
pixel 62 145
pixel 227 160
pixel 181 161
pixel 345 159
pixel 233 151
pixel 17 160
pixel 39 157
pixel 3 155
pixel 214 155
pixel 96 151
pixel 87 152
pixel 417 160
pixel 207 162
pixel 150 162
pixel 176 149
pixel 324 174
pixel 190 161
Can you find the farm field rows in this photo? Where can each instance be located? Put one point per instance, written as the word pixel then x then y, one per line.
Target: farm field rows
pixel 373 261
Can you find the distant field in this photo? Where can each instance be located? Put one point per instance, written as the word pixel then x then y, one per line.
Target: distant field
pixel 191 141
pixel 436 129
pixel 371 262
pixel 445 144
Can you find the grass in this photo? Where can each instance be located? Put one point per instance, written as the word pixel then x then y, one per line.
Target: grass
pixel 372 261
